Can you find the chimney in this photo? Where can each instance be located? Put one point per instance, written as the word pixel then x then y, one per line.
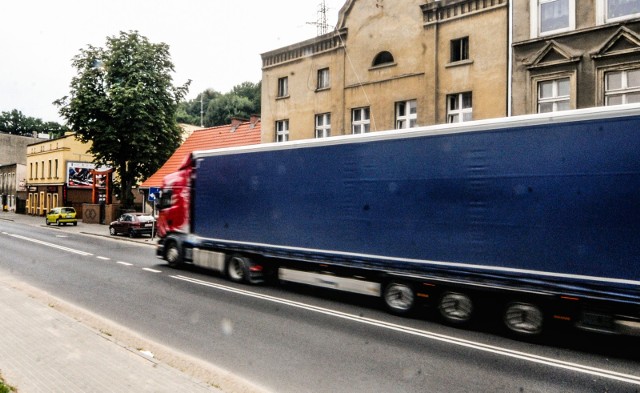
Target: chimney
pixel 254 119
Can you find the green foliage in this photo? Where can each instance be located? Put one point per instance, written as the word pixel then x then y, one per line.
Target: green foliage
pixel 218 109
pixel 16 123
pixel 124 102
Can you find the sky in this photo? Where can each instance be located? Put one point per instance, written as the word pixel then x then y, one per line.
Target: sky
pixel 214 43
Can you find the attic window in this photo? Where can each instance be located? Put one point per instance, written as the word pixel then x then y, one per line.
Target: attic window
pixel 383 58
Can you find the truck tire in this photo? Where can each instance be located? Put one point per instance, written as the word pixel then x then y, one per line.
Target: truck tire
pixel 524 319
pixel 399 297
pixel 237 268
pixel 173 254
pixel 455 308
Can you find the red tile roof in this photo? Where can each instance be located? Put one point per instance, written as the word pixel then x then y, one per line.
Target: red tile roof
pixel 246 133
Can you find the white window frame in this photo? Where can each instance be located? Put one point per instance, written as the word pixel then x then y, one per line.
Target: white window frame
pixel 623 91
pixel 283 87
pixel 459 49
pixel 602 17
pixel 323 125
pixel 282 130
pixel 363 124
pixel 406 114
pixel 556 99
pixel 535 6
pixel 324 79
pixel 460 113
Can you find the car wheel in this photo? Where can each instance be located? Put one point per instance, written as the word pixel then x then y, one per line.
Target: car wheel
pixel 58 223
pixel 75 223
pixel 47 222
pixel 112 231
pixel 132 233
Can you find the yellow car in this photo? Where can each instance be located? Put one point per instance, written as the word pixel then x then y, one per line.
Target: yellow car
pixel 61 215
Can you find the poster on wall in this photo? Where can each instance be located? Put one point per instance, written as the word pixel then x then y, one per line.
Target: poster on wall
pixel 79 175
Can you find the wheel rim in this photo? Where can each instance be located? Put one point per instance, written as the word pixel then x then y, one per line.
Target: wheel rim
pixel 399 297
pixel 456 307
pixel 112 231
pixel 236 269
pixel 524 318
pixel 172 255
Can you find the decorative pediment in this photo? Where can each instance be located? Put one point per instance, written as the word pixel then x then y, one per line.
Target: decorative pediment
pixel 624 41
pixel 553 53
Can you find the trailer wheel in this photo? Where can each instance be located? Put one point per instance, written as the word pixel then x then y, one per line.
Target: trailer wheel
pixel 399 297
pixel 455 308
pixel 172 254
pixel 524 319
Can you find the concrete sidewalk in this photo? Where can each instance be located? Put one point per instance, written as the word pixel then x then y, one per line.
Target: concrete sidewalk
pixel 47 345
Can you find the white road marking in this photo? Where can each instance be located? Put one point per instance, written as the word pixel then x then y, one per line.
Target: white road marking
pixel 125 263
pixel 594 371
pixel 51 245
pixel 104 258
pixel 151 270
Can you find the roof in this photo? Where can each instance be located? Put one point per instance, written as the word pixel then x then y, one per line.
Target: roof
pixel 235 134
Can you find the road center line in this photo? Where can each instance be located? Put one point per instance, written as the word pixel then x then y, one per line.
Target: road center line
pixel 603 373
pixel 125 263
pixel 63 248
pixel 151 270
pixel 104 258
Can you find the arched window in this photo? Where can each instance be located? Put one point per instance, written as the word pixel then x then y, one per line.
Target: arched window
pixel 383 58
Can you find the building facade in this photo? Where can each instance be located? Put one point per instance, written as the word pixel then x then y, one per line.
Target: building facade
pixel 12 187
pixel 390 65
pixel 58 173
pixel 570 54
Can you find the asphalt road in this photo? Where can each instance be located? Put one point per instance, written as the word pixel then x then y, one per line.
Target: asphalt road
pixel 296 339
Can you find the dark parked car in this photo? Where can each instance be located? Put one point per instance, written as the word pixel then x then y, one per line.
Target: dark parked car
pixel 133 224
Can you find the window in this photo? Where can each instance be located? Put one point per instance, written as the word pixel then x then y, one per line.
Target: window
pixel 42 173
pixel 50 168
pixel 554 95
pixel 621 9
pixel 459 49
pixel 406 114
pixel 323 78
pixel 459 108
pixel 360 120
pixel 283 87
pixel 622 87
pixel 552 16
pixel 323 125
pixel 56 168
pixel 31 170
pixel 383 58
pixel 282 130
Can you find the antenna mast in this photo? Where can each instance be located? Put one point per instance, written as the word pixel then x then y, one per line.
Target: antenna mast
pixel 321 22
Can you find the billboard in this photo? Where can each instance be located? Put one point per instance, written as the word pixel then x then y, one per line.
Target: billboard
pixel 79 175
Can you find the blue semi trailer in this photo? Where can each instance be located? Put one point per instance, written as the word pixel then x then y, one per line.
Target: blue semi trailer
pixel 538 214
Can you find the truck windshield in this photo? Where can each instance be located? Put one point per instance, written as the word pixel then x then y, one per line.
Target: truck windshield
pixel 165 199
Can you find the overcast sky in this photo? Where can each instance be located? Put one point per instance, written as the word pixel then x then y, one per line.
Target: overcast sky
pixel 215 43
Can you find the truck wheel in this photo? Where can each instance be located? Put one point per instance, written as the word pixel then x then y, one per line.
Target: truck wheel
pixel 523 319
pixel 172 254
pixel 455 308
pixel 399 298
pixel 238 268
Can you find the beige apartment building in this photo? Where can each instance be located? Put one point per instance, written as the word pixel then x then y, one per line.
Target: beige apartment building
pixel 390 65
pixel 570 54
pixel 58 173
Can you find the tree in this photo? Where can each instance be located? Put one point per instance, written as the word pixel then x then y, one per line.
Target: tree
pixel 123 101
pixel 242 101
pixel 15 122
